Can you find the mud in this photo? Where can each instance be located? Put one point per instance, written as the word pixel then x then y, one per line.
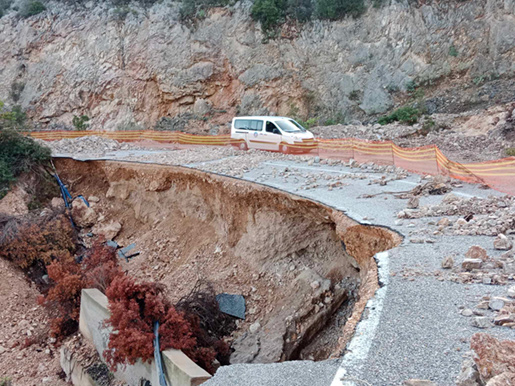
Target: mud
pixel 305 269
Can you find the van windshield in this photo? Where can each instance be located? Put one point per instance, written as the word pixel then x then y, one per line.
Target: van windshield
pixel 290 126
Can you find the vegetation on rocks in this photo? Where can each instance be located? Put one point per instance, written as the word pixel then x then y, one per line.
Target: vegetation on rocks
pixel 18 154
pixel 30 8
pixel 272 13
pixel 80 123
pixel 407 114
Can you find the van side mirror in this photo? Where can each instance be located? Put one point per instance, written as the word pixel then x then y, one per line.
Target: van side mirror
pixel 276 131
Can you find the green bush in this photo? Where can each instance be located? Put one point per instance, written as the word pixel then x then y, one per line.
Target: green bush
pixel 311 122
pixel 5 381
pixel 5 5
pixel 411 86
pixel 453 51
pixel 510 151
pixel 354 95
pixel 14 119
pixel 300 10
pixel 31 8
pixel 405 114
pixel 18 154
pixel 80 123
pixel 337 9
pixel 269 13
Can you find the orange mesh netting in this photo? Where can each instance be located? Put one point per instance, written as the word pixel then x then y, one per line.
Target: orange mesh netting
pixel 498 174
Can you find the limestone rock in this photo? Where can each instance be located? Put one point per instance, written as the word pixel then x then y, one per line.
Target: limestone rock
pixel 413 202
pixel 496 304
pixel 493 357
pixel 94 199
pixel 468 376
pixel 57 203
pixel 481 322
pixel 83 215
pixel 109 230
pixel 502 243
pixel 448 262
pixel 15 202
pixel 444 222
pixel 511 291
pixel 470 264
pixel 477 252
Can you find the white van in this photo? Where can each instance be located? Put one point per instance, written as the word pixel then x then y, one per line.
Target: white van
pixel 271 133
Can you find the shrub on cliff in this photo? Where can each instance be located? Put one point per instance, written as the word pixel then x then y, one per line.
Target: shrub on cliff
pixel 300 10
pixel 269 13
pixel 18 154
pixel 407 114
pixel 30 8
pixel 338 9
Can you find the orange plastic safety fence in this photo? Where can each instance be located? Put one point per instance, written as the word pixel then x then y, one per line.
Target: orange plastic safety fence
pixel 499 174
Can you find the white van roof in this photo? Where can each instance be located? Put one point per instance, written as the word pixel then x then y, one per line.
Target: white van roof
pixel 269 117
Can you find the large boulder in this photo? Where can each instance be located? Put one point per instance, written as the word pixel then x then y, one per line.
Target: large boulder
pixel 109 230
pixel 83 215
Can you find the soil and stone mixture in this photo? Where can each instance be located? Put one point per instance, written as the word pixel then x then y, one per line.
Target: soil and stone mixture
pixel 283 254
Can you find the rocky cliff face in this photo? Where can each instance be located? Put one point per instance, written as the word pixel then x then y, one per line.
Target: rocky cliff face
pixel 134 70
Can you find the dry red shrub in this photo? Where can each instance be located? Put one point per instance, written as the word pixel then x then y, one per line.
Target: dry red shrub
pixel 68 278
pixel 134 309
pixel 30 240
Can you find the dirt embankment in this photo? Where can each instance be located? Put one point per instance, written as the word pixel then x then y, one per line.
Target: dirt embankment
pixel 298 263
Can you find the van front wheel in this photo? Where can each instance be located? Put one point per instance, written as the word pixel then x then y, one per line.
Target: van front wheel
pixel 243 146
pixel 285 149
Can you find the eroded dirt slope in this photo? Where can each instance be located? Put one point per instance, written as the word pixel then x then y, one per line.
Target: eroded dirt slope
pixel 295 261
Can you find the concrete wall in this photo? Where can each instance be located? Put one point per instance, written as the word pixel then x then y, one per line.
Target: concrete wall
pixel 179 369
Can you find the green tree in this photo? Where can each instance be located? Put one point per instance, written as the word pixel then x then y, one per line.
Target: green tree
pixel 31 8
pixel 337 9
pixel 269 13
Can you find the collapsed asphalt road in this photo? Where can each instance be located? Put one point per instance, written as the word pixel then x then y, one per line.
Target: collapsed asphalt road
pixel 413 327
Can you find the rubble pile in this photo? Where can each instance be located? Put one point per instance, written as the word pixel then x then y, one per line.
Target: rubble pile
pixel 478 267
pixel 90 145
pixel 492 216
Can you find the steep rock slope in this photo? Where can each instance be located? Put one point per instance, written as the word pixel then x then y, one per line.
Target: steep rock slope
pixel 134 70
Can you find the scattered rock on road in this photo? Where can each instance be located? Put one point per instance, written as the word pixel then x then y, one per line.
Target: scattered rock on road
pixel 469 376
pixel 470 264
pixel 502 243
pixel 448 262
pixel 481 322
pixel 477 252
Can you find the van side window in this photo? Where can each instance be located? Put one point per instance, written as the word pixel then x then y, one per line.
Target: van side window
pixel 241 124
pixel 248 124
pixel 270 127
pixel 256 125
